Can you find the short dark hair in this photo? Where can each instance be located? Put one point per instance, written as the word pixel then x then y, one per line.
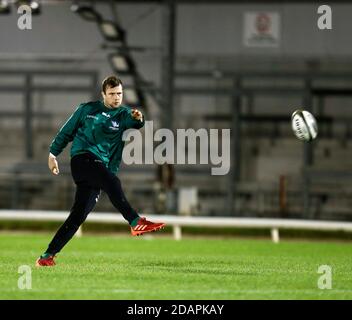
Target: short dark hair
pixel 110 82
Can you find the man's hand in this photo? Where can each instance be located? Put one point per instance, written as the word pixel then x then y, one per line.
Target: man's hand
pixel 136 114
pixel 53 165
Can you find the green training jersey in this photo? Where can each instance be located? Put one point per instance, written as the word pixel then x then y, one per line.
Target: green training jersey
pixel 97 129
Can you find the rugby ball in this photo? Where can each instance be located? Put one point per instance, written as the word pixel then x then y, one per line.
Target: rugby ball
pixel 304 125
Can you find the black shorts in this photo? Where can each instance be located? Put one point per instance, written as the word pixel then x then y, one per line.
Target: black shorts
pixel 87 169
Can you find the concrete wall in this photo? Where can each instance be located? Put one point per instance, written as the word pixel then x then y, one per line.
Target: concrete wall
pixel 207 36
pixel 202 29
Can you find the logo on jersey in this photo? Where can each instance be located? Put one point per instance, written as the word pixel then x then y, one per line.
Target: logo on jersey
pixel 92 117
pixel 115 125
pixel 105 114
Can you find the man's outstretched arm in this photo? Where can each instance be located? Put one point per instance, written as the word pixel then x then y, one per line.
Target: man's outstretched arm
pixel 134 119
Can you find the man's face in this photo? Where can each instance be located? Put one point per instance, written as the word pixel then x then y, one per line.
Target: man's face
pixel 113 96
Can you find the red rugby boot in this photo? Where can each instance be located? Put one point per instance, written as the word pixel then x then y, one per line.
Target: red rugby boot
pixel 143 226
pixel 45 262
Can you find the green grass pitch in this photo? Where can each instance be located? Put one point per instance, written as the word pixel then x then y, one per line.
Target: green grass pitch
pixel 118 267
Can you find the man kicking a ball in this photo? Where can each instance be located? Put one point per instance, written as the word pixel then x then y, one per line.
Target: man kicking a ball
pixel 96 130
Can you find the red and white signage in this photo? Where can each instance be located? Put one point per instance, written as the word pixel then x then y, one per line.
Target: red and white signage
pixel 261 29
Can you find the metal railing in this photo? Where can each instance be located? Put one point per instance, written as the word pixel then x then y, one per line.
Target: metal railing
pixel 177 222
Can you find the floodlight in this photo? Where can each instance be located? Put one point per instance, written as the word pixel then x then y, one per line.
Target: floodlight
pixel 122 63
pixel 111 31
pixel 131 96
pixel 86 12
